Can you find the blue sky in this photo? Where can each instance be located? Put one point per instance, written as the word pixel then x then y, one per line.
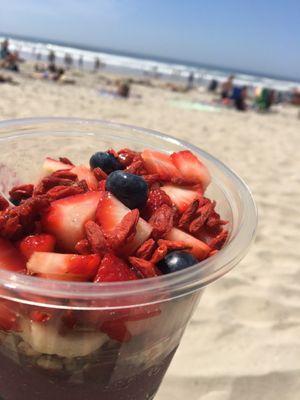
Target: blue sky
pixel 255 35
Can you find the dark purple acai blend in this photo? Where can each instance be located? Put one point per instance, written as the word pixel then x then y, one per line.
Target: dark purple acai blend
pixel 91 382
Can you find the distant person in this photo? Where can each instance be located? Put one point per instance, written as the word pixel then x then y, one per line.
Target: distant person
pixel 123 89
pixel 58 74
pixel 271 98
pixel 190 80
pixel 51 57
pixel 6 79
pixel 68 60
pixel 11 61
pixel 226 88
pixel 265 100
pixel 279 97
pixel 155 72
pixel 38 56
pixel 295 97
pixel 80 62
pixel 52 68
pixel 213 85
pixel 4 50
pixel 97 64
pixel 15 59
pixel 239 97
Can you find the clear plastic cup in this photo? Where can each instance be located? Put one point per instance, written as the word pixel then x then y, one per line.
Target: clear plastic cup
pixel 114 341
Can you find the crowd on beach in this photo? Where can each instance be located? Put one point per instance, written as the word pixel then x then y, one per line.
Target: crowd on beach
pixel 53 71
pixel 236 96
pixel 228 93
pixel 9 60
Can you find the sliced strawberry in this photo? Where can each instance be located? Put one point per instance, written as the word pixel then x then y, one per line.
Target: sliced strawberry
pixel 137 319
pixel 30 244
pixel 40 316
pixel 116 330
pixel 10 258
pixel 143 319
pixel 51 165
pixel 62 277
pixel 64 266
pixel 160 163
pixel 180 196
pixel 84 173
pixel 66 218
pixel 191 167
pixel 114 269
pixel 9 316
pixel 198 248
pixel 111 211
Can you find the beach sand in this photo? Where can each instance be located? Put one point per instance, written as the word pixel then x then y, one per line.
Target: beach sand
pixel 243 341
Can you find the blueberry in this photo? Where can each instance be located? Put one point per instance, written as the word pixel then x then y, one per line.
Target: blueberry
pixel 15 201
pixel 106 161
pixel 130 189
pixel 176 261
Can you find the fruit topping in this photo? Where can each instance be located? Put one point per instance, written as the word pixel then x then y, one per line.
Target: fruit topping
pixel 114 269
pixel 198 248
pixel 106 161
pixel 84 173
pixel 64 266
pixel 218 241
pixel 42 242
pixel 21 220
pixel 156 198
pixel 9 316
pixel 160 163
pixel 146 250
pixel 205 211
pixel 110 213
pixel 50 165
pixel 95 237
pixel 176 261
pixel 180 196
pixel 130 215
pixel 66 218
pixel 161 221
pixel 146 268
pixel 116 330
pixel 10 258
pixel 130 189
pixel 100 175
pixel 21 192
pixel 126 157
pixel 191 167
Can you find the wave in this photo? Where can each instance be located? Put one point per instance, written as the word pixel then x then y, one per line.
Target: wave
pixel 175 71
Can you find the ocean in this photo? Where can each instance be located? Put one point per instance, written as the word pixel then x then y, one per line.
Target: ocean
pixel 141 65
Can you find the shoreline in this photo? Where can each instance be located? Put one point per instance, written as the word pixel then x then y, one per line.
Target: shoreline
pixel 147 66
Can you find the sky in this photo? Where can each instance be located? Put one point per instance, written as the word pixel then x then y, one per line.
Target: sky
pixel 257 35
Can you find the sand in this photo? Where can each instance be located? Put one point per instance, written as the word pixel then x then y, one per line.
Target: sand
pixel 243 341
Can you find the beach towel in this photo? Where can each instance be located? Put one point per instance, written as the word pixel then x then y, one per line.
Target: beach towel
pixel 195 105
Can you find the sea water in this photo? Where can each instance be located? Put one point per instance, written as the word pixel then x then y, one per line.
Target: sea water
pixel 141 65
